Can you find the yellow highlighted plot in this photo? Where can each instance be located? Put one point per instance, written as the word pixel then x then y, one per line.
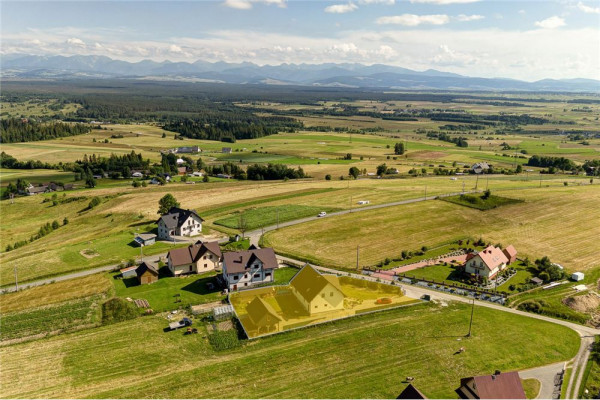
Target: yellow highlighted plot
pixel 311 298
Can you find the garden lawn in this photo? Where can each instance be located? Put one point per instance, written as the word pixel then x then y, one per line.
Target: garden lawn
pixel 161 295
pixel 270 215
pixel 362 357
pixel 531 387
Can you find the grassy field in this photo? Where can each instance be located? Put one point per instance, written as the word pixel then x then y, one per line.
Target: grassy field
pixel 531 226
pixel 348 359
pixel 270 215
pixel 532 387
pixel 52 319
pixel 55 293
pixel 480 201
pixel 162 295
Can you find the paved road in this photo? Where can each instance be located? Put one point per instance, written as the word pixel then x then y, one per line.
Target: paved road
pixel 579 364
pixel 545 375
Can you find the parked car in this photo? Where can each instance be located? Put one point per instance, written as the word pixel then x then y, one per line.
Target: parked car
pixel 180 324
pixel 322 214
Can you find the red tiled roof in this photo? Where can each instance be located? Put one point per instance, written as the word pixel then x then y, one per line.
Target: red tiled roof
pixel 492 257
pixel 505 385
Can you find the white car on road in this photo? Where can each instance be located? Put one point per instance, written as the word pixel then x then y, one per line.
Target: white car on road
pixel 322 214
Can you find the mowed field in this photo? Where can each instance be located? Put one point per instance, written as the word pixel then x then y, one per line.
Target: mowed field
pixel 361 357
pixel 107 231
pixel 560 222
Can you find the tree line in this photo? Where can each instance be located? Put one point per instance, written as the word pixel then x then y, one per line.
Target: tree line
pixel 17 130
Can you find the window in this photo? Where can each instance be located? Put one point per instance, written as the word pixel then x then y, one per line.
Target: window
pixel 268 274
pixel 245 283
pixel 323 295
pixel 256 276
pixel 330 294
pixel 205 265
pixel 235 277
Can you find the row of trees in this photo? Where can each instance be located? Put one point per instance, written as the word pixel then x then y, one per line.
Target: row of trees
pixel 20 130
pixel 43 231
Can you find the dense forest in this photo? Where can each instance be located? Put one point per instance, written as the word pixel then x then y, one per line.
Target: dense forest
pixel 561 163
pixel 23 130
pixel 115 164
pixel 228 128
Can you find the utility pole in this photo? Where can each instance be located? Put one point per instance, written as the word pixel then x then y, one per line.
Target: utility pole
pixel 277 217
pixel 476 181
pixel 350 203
pixel 471 322
pixel 540 179
pixel 425 192
pixel 463 190
pixel 357 253
pixel 142 252
pixel 16 281
pixel 487 183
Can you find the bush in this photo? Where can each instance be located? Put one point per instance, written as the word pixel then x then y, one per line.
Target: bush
pixel 118 310
pixel 94 202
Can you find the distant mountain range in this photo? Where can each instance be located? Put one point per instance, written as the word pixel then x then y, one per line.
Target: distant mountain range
pixel 376 76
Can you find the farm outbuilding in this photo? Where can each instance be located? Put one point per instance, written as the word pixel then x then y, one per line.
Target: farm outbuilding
pixel 146 273
pixel 145 239
pixel 128 272
pixel 577 276
pixel 223 312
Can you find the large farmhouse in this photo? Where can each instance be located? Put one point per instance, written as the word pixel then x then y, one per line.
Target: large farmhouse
pixel 489 261
pixel 317 293
pixel 179 222
pixel 249 267
pixel 194 259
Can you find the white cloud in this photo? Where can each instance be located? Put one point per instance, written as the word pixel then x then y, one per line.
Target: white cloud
pixel 587 9
pixel 238 4
pixel 414 20
pixel 386 2
pixel 467 18
pixel 449 57
pixel 522 12
pixel 444 2
pixel 75 42
pixel 551 23
pixel 341 8
pixel 247 4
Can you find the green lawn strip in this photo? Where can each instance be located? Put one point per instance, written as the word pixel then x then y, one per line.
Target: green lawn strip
pixel 479 202
pixel 265 199
pixel 162 295
pixel 439 250
pixel 346 360
pixel 565 384
pixel 532 387
pixel 591 375
pixel 270 215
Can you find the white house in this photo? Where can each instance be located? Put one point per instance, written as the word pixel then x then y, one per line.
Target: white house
pixel 137 174
pixel 486 263
pixel 248 267
pixel 194 259
pixel 179 222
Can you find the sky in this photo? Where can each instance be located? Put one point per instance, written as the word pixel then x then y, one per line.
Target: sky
pixel 526 40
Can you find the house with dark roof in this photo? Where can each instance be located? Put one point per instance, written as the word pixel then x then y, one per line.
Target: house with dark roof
pixel 248 267
pixel 411 392
pixel 486 263
pixel 146 273
pixel 194 259
pixel 480 168
pixel 317 292
pixel 179 222
pixel 263 317
pixel 497 386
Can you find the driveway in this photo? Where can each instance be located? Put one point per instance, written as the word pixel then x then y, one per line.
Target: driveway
pixel 545 375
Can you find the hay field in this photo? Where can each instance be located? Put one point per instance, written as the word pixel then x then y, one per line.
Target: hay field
pixel 560 222
pixel 361 357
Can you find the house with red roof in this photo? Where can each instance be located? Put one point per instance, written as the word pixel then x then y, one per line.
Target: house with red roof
pixel 488 262
pixel 497 386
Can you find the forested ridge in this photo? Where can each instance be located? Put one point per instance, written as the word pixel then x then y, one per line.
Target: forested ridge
pixel 22 130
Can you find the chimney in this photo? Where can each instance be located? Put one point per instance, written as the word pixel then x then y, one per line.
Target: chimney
pixel 497 372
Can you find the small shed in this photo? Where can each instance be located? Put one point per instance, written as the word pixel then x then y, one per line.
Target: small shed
pixel 536 281
pixel 145 239
pixel 128 272
pixel 223 312
pixel 226 150
pixel 577 276
pixel 146 273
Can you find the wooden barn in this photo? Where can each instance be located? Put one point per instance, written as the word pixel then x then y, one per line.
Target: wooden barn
pixel 146 273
